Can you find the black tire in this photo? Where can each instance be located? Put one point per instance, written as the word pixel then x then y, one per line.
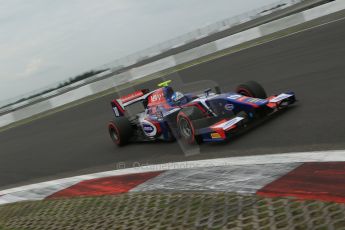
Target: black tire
pixel 217 90
pixel 244 115
pixel 188 121
pixel 120 130
pixel 252 89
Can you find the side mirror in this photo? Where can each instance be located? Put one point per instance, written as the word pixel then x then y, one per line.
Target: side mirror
pixel 207 91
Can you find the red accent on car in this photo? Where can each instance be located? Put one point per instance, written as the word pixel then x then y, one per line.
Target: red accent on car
pixel 271 97
pixel 132 96
pixel 221 122
pixel 157 98
pixel 242 98
pixel 118 106
pixel 272 105
pixel 218 123
pixel 220 131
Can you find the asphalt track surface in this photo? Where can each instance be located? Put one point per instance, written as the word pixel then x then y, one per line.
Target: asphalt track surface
pixel 75 141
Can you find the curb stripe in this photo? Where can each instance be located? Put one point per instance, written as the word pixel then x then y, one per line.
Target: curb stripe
pixel 295 157
pixel 310 181
pixel 105 186
pixel 42 190
pixel 240 179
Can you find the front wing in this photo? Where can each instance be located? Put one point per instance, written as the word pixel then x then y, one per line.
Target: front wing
pixel 227 128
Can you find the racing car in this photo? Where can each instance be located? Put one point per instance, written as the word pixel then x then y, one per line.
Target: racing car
pixel 166 114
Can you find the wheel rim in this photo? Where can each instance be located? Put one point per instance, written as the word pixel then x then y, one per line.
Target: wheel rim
pixel 114 135
pixel 185 128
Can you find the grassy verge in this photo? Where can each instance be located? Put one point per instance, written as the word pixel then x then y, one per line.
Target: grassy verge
pixel 173 211
pixel 214 56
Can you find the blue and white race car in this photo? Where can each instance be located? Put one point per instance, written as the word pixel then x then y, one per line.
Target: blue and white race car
pixel 165 114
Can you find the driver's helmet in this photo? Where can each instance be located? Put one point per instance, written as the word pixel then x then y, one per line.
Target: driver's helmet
pixel 178 98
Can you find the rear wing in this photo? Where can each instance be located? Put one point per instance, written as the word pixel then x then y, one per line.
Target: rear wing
pixel 119 105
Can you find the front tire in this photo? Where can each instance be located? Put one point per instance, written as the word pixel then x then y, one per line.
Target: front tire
pixel 188 121
pixel 252 89
pixel 120 130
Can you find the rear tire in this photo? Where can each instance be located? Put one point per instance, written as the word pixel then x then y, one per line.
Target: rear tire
pixel 252 89
pixel 120 130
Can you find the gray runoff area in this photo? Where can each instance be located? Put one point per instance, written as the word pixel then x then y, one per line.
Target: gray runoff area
pixel 75 141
